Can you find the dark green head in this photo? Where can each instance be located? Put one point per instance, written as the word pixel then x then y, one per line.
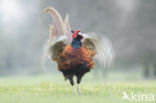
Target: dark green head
pixel 76 43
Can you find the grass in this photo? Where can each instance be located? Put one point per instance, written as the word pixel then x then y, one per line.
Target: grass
pixel 53 89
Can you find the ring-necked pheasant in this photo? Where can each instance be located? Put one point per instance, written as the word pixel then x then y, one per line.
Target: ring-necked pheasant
pixel 74 52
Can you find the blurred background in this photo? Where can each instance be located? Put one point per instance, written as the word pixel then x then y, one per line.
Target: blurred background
pixel 129 24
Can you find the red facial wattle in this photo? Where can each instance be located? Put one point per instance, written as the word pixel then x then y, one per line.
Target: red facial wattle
pixel 76 32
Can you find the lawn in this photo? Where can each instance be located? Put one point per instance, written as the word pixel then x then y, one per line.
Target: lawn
pixel 53 89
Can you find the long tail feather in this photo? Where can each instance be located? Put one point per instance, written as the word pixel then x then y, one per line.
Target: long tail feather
pixel 57 28
pixel 68 30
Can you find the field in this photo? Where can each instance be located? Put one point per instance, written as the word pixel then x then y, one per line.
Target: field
pixel 53 89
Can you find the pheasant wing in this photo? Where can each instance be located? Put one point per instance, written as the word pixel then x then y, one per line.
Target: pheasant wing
pixel 102 46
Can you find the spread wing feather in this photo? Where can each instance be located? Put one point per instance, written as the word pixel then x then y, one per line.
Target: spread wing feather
pixel 102 46
pixel 56 47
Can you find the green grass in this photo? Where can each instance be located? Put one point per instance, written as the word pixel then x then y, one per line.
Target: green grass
pixel 53 89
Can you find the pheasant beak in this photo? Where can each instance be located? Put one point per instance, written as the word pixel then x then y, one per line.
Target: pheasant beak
pixel 81 35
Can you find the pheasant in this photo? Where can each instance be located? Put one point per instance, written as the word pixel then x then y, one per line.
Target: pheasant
pixel 73 51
